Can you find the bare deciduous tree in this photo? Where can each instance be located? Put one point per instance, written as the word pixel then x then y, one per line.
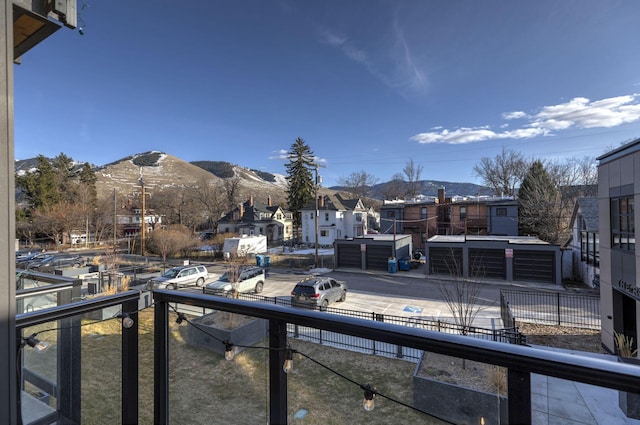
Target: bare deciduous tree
pixel 359 184
pixel 396 188
pixel 504 172
pixel 231 188
pixel 210 198
pixel 173 240
pixel 462 295
pixel 412 172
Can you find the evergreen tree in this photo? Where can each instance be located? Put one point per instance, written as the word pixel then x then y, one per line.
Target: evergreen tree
pixel 88 181
pixel 538 209
pixel 301 190
pixel 64 170
pixel 40 187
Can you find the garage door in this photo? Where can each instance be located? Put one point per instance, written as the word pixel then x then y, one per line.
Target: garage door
pixel 378 257
pixel 537 266
pixel 489 263
pixel 349 256
pixel 447 261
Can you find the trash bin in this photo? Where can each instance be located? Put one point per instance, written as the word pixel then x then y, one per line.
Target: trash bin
pixel 259 260
pixel 404 264
pixel 392 265
pixel 267 261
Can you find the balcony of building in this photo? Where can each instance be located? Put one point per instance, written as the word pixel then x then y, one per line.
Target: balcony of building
pixel 129 358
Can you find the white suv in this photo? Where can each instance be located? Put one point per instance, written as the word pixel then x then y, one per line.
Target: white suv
pixel 178 277
pixel 248 279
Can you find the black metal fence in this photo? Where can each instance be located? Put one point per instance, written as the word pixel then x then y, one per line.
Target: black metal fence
pixel 550 308
pixel 507 335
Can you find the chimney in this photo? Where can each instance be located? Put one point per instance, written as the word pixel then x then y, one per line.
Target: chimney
pixel 251 200
pixel 268 201
pixel 241 212
pixel 441 199
pixel 320 201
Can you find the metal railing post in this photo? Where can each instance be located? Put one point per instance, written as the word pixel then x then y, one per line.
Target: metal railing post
pixel 277 376
pixel 161 364
pixel 519 396
pixel 130 365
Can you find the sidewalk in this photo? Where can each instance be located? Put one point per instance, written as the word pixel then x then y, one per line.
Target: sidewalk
pixel 553 400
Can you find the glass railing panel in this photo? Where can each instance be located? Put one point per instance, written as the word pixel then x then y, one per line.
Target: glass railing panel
pixel 38 376
pixel 328 384
pixel 78 378
pixel 204 387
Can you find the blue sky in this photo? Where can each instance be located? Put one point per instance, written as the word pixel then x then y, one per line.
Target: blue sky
pixel 367 84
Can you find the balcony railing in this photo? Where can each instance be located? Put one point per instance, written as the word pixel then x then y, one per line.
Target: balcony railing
pixel 520 361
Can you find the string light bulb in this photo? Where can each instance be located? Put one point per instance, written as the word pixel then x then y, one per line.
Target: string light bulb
pixel 127 321
pixel 229 351
pixel 369 394
pixel 36 344
pixel 287 367
pixel 181 318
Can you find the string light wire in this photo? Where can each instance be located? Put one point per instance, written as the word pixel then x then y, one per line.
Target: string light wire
pixel 365 387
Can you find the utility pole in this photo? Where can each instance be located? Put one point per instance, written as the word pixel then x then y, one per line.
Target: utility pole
pixel 316 215
pixel 115 219
pixel 142 223
pixel 318 181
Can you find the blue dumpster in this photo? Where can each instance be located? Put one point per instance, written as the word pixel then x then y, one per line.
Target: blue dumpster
pixel 404 264
pixel 392 265
pixel 267 261
pixel 259 260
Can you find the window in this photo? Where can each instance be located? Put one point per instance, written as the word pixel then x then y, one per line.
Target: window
pixel 391 214
pixel 326 216
pixel 423 213
pixel 590 247
pixel 501 212
pixel 463 213
pixel 324 233
pixel 311 216
pixel 622 226
pixel 358 217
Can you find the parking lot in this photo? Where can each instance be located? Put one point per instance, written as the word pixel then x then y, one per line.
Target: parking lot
pixel 389 294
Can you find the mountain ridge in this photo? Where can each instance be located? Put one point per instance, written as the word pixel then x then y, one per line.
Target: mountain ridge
pixel 162 170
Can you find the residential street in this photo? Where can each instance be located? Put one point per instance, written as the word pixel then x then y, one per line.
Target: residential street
pixel 397 294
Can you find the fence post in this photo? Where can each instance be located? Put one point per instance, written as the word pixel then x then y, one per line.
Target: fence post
pixel 558 305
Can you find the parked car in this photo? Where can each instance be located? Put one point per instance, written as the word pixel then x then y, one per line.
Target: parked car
pixel 56 262
pixel 318 292
pixel 246 279
pixel 179 277
pixel 33 258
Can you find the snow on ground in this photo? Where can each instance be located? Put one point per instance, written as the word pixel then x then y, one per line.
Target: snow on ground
pixel 297 251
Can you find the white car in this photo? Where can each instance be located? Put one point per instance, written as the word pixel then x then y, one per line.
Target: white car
pixel 179 277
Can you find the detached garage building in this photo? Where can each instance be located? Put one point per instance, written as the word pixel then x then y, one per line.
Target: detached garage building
pixel 512 258
pixel 371 252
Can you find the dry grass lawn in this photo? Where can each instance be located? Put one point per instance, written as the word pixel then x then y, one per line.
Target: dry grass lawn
pixel 207 389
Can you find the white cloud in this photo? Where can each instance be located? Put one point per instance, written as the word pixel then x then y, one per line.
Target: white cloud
pixel 579 112
pixel 513 115
pixel 455 137
pixel 394 67
pixel 280 154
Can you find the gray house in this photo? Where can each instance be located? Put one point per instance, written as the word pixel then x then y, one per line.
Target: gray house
pixel 585 241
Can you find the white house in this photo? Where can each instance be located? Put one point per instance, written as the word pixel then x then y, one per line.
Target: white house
pixel 338 218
